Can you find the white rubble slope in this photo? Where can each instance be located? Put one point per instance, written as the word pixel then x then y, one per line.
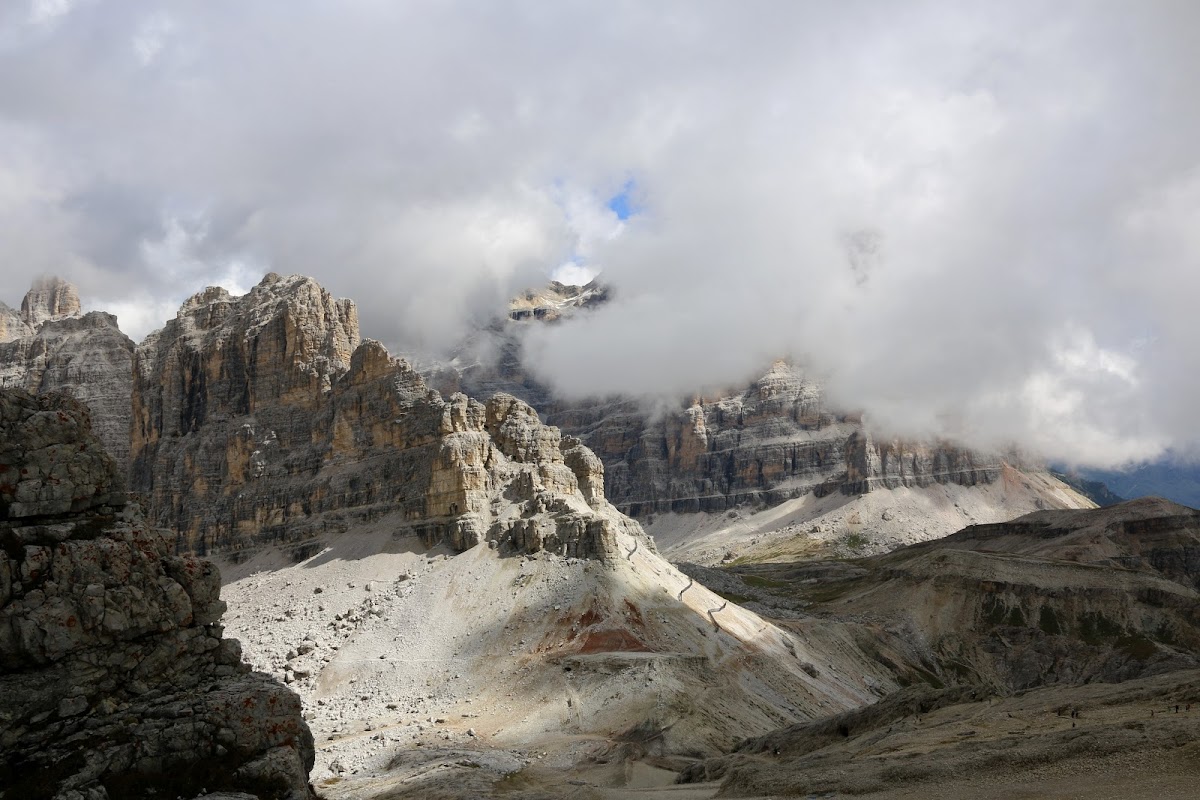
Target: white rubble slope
pixel 404 655
pixel 856 525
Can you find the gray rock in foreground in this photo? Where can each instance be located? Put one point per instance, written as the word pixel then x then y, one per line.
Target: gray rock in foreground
pixel 115 680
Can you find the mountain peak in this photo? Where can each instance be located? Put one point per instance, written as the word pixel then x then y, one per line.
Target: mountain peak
pixel 50 298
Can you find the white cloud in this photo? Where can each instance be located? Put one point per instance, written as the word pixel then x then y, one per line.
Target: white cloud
pixel 932 205
pixel 151 37
pixel 573 274
pixel 42 12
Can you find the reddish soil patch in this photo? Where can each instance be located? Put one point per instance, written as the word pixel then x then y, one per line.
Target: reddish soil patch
pixel 612 640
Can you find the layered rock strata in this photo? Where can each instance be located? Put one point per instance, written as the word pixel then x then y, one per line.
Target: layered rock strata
pixel 51 347
pixel 773 441
pixel 115 680
pixel 1063 596
pixel 50 298
pixel 555 300
pixel 263 419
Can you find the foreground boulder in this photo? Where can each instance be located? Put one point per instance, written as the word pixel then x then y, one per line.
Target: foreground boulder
pixel 115 680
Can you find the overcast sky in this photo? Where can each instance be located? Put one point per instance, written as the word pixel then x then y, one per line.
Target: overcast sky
pixel 980 219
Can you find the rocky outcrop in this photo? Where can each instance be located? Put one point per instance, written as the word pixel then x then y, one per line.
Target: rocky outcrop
pixel 88 358
pixel 55 349
pixel 262 419
pixel 775 440
pixel 555 300
pixel 115 680
pixel 890 464
pixel 12 326
pixel 51 298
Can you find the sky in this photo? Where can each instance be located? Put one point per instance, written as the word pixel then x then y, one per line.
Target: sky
pixel 971 219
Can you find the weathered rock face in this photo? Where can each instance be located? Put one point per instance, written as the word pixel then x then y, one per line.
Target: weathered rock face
pixel 50 298
pixel 88 358
pixel 115 680
pixel 551 302
pixel 262 419
pixel 774 441
pixel 12 326
pixel 50 347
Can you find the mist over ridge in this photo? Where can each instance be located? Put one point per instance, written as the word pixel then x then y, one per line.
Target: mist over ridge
pixel 972 221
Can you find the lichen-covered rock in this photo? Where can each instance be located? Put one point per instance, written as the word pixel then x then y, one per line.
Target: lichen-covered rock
pixel 115 680
pixel 261 419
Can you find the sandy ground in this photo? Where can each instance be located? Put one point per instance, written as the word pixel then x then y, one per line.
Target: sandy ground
pixel 841 525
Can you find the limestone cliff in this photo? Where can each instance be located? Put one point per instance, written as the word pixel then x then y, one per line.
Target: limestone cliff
pixel 50 347
pixel 50 298
pixel 12 326
pixel 772 441
pixel 115 680
pixel 555 300
pixel 263 419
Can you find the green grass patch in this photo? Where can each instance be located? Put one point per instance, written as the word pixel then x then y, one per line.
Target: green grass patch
pixel 856 541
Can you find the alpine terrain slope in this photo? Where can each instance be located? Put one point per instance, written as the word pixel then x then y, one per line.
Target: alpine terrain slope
pixel 1058 657
pixel 442 580
pixel 457 592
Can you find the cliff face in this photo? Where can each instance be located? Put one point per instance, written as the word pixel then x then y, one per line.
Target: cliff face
pixel 115 680
pixel 775 440
pixel 263 419
pixel 12 326
pixel 50 347
pixel 50 298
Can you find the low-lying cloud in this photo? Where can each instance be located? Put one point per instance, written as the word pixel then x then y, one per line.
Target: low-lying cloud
pixel 975 219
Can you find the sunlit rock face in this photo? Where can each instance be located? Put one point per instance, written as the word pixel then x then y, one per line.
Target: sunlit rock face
pixel 264 419
pixel 115 679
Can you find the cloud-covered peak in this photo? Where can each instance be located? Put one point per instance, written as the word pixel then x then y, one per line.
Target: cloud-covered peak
pixel 976 218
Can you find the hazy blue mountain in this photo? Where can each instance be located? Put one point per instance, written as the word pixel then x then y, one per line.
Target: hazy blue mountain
pixel 1094 490
pixel 1171 479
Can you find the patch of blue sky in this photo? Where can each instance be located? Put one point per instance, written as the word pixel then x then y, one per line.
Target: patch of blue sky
pixel 622 203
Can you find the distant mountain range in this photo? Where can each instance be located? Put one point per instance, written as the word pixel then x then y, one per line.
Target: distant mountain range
pixel 1170 479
